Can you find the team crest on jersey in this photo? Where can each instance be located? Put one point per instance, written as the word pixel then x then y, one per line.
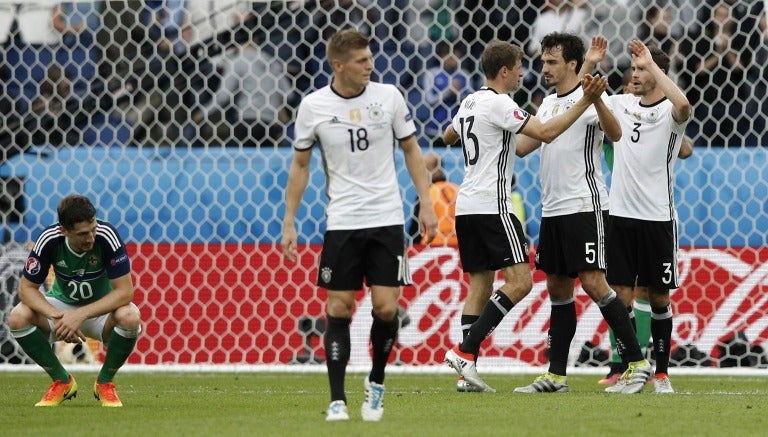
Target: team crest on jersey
pixel 325 274
pixel 92 260
pixel 562 107
pixel 33 266
pixel 355 115
pixel 375 112
pixel 653 115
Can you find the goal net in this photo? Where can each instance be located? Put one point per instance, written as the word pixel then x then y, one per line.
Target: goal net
pixel 175 118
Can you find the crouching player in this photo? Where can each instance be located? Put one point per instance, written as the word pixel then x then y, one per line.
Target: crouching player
pixel 91 297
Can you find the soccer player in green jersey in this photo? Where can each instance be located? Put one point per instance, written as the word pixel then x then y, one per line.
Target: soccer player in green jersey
pixel 91 297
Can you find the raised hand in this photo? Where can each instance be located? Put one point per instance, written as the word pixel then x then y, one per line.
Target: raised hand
pixel 597 50
pixel 594 87
pixel 641 56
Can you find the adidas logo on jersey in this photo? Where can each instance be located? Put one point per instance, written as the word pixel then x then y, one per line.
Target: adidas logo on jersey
pixel 62 263
pixel 335 120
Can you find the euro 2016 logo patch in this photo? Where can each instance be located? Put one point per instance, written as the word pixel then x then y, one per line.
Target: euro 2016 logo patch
pixel 33 266
pixel 519 114
pixel 325 274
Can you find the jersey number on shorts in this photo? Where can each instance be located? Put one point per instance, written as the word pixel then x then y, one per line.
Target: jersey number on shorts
pixel 589 248
pixel 667 279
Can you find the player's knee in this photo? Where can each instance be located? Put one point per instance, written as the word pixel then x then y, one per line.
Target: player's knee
pixel 385 311
pixel 595 289
pixel 128 317
pixel 20 316
pixel 339 308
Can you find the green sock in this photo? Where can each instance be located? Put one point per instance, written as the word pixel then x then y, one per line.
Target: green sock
pixel 643 323
pixel 35 344
pixel 119 348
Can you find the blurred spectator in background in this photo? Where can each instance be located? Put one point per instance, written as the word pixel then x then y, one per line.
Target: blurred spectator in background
pixel 568 16
pixel 444 87
pixel 165 27
pixel 717 70
pixel 28 45
pixel 755 89
pixel 251 99
pixel 50 106
pixel 657 29
pixel 287 35
pixel 210 28
pixel 77 24
pixel 443 194
pixel 609 18
pixel 489 20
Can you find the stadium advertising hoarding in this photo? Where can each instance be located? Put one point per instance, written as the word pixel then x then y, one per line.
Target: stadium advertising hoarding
pixel 242 304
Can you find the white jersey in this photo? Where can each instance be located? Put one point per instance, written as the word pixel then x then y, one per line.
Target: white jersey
pixel 572 178
pixel 356 136
pixel 487 123
pixel 642 185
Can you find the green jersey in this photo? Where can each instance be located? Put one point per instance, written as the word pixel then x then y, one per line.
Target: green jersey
pixel 80 278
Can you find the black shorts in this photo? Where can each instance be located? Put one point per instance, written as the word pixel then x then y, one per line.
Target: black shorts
pixel 376 254
pixel 643 250
pixel 573 243
pixel 490 241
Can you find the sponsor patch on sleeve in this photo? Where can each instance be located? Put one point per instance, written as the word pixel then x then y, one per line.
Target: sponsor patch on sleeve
pixel 119 259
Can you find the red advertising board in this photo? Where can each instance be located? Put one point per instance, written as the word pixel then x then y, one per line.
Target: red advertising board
pixel 241 304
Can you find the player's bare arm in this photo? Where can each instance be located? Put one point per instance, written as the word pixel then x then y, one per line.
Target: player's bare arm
pixel 298 177
pixel 450 136
pixel 414 162
pixel 29 295
pixel 686 148
pixel 642 59
pixel 525 145
pixel 593 87
pixel 608 121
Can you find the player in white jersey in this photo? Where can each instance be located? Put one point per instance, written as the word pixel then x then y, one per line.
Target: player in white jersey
pixel 491 238
pixel 640 310
pixel 575 200
pixel 642 232
pixel 355 122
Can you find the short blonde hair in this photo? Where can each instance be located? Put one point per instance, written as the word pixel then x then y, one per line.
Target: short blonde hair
pixel 342 42
pixel 500 54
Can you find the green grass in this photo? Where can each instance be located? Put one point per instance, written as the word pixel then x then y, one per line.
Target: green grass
pixel 293 404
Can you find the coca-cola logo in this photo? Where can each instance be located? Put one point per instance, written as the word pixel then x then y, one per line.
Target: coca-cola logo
pixel 192 316
pixel 722 291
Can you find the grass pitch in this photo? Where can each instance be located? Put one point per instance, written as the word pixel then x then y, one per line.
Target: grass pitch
pixel 293 404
